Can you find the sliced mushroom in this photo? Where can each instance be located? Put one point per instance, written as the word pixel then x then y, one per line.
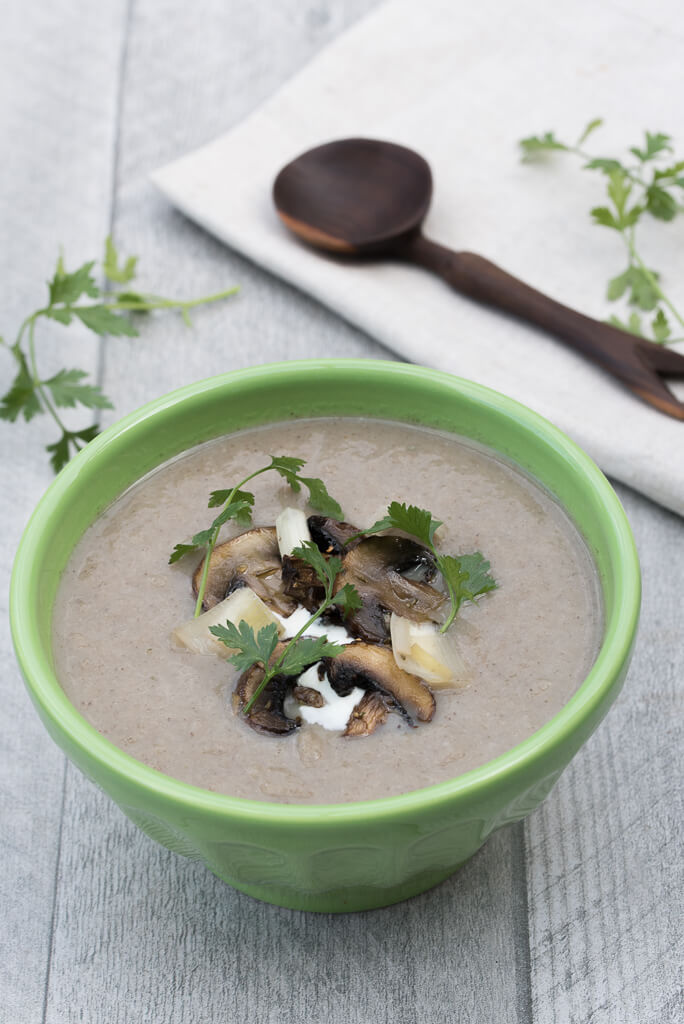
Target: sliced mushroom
pixel 252 559
pixel 375 568
pixel 369 713
pixel 301 583
pixel 266 714
pixel 308 696
pixel 331 536
pixel 374 668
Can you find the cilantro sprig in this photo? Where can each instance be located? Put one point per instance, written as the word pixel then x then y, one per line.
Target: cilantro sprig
pixel 301 651
pixel 653 184
pixel 466 576
pixel 32 394
pixel 237 504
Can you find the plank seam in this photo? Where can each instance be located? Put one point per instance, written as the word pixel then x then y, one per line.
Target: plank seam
pixel 118 118
pixel 55 885
pixel 521 926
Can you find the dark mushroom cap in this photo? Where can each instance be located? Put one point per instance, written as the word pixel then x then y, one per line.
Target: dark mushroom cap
pixel 374 668
pixel 331 536
pixel 253 560
pixel 267 714
pixel 375 567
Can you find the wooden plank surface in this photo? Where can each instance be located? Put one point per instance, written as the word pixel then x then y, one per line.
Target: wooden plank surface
pixel 101 924
pixel 59 81
pixel 604 853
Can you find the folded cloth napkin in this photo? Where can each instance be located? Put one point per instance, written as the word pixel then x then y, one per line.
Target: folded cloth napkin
pixel 462 83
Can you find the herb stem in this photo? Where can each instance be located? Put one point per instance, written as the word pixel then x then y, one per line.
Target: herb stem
pixel 269 673
pixel 214 537
pixel 33 366
pixel 652 280
pixel 158 302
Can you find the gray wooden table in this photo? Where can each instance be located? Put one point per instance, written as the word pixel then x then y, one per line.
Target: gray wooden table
pixel 572 916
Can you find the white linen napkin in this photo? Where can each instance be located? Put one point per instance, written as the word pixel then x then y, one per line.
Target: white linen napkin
pixel 462 83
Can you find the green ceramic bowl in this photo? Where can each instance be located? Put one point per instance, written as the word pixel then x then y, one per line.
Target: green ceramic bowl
pixel 351 856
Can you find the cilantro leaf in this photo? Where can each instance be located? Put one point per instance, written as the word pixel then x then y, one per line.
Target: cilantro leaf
pixel 62 316
pixel 180 550
pixel 67 391
pixel 218 498
pixel 661 327
pixel 288 468
pixel 467 576
pixel 121 274
pixel 250 649
pixel 655 143
pixel 660 203
pixel 603 216
pixel 60 453
pixel 22 396
pixel 325 568
pixel 320 499
pixel 102 320
pixel 606 165
pixel 306 652
pixel 241 511
pixel 538 145
pixel 67 288
pixel 643 291
pixel 591 127
pixel 410 519
pixel 348 599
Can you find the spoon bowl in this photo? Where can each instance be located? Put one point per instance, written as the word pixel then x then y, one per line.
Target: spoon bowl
pixel 356 196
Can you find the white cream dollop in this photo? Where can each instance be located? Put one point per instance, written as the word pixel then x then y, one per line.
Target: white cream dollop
pixel 336 711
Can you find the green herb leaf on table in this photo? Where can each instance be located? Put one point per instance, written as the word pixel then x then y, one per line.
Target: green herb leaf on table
pixel 632 190
pixel 29 394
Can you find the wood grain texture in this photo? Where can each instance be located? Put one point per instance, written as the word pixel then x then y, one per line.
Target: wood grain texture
pixel 58 97
pixel 604 852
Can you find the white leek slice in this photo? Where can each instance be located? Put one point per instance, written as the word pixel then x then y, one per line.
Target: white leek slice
pixel 420 648
pixel 292 530
pixel 241 604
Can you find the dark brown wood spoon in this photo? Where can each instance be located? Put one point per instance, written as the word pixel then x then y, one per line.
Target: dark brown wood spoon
pixel 365 198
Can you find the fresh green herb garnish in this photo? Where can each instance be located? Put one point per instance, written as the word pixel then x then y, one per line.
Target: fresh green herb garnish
pixel 30 394
pixel 466 576
pixel 654 185
pixel 301 651
pixel 237 504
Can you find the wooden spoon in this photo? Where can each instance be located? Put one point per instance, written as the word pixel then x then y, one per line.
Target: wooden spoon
pixel 362 197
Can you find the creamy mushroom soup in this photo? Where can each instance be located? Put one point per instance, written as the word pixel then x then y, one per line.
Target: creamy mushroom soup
pixel 526 646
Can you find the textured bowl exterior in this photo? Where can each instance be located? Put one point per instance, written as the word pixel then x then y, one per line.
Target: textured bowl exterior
pixel 340 857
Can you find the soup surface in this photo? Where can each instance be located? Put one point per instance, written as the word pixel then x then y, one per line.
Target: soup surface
pixel 527 645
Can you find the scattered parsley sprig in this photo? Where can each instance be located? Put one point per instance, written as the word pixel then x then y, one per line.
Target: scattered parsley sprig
pixel 466 576
pixel 237 504
pixel 30 394
pixel 301 651
pixel 654 185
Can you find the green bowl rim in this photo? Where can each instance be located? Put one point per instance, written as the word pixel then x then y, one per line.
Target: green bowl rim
pixel 620 631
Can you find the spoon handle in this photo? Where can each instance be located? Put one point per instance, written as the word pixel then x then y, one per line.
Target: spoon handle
pixel 636 362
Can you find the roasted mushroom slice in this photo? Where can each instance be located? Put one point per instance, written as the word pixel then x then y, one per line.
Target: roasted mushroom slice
pixel 252 559
pixel 301 583
pixel 266 714
pixel 374 668
pixel 369 713
pixel 376 567
pixel 331 536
